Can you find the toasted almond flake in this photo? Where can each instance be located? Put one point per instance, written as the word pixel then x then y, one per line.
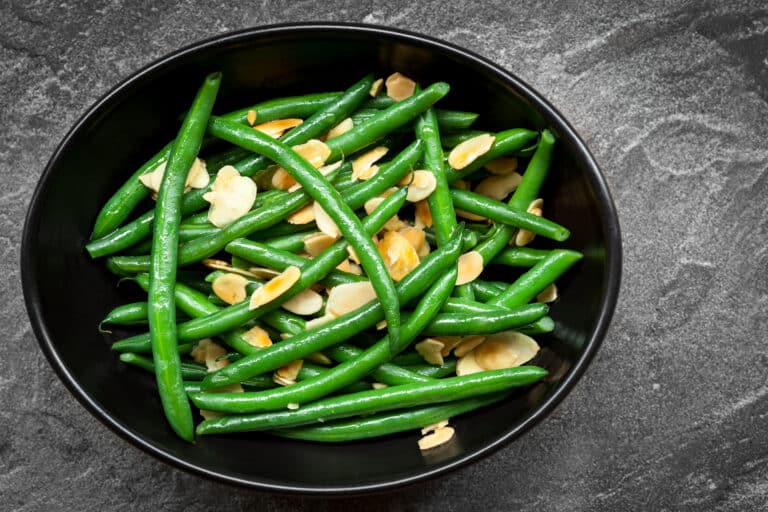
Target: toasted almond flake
pixel 415 236
pixel 349 297
pixel 285 335
pixel 423 215
pixel 306 302
pixel 277 127
pixel 317 322
pixel 293 406
pixel 319 358
pixel 470 267
pixel 315 152
pixel 257 337
pixel 430 349
pixel 230 288
pixel 275 287
pixel 422 185
pixel 316 243
pixel 405 180
pixel 379 385
pixel 348 266
pixel 501 166
pixel 523 237
pixel 466 365
pixel 434 426
pixel 548 294
pixel 343 127
pixel 211 415
pixel 467 344
pixel 469 150
pixel 353 254
pixel 226 267
pixel 376 87
pixel 210 353
pixel 251 117
pixel 380 326
pixel 362 165
pixel 505 350
pixel 302 216
pixel 231 196
pixel 470 216
pixel 291 370
pixel 449 342
pixel 325 223
pixel 498 187
pixel 263 272
pixel 325 170
pixel 437 438
pixel 281 180
pixel 399 86
pixel 399 256
pixel 197 177
pixel 536 204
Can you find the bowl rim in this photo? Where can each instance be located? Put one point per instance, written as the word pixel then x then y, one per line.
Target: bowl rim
pixel 609 218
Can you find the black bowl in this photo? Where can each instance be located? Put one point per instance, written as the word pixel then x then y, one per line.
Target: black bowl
pixel 67 294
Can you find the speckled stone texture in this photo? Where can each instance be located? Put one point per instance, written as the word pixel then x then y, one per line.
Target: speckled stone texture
pixel 671 98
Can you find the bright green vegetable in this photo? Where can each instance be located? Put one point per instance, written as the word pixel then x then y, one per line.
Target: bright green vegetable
pixel 464 324
pixel 134 313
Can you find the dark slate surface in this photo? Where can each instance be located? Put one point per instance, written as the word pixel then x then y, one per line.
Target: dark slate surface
pixel 671 97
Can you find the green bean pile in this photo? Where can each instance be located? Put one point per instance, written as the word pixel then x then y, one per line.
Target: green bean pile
pixel 320 267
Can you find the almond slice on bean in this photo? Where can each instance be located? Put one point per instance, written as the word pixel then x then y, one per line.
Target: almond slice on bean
pixel 439 437
pixel 548 294
pixel 376 87
pixel 286 375
pixel 275 287
pixel 314 151
pixel 317 322
pixel 498 187
pixel 211 353
pixel 343 127
pixel 281 180
pixel 230 288
pixel 449 342
pixel 502 165
pixel 431 350
pixel 362 166
pixel 316 243
pixel 467 344
pixel 470 216
pixel 399 86
pixel 348 266
pixel 393 223
pixel 226 267
pixel 263 272
pixel 423 215
pixel 303 216
pixel 523 237
pixel 306 302
pixel 421 186
pixel 197 177
pixel 257 337
pixel 505 350
pixel 417 238
pixel 398 254
pixel 348 297
pixel 319 358
pixel 325 223
pixel 231 196
pixel 470 150
pixel 433 426
pixel 466 365
pixel 470 267
pixel 251 117
pixel 277 127
pixel 379 385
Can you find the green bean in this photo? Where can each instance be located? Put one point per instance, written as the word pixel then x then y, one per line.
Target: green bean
pixel 500 212
pixel 387 423
pixel 543 325
pixel 408 359
pixel 387 373
pixel 469 240
pixel 162 278
pixel 128 196
pixel 228 157
pixel 322 119
pixel 485 290
pixel 506 142
pixel 341 375
pixel 436 372
pixel 332 202
pixel 341 328
pixel 447 120
pixel 520 256
pixel 541 275
pixel 451 140
pixel 464 324
pixel 134 313
pixel 366 402
pixel 289 243
pixel 463 305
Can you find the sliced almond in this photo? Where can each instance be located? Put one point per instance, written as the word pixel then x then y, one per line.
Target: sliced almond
pixel 505 350
pixel 349 297
pixel 379 385
pixel 393 223
pixel 469 150
pixel 498 187
pixel 376 87
pixel 548 294
pixel 287 374
pixel 231 196
pixel 449 342
pixel 466 365
pixel 437 438
pixel 210 353
pixel 226 267
pixel 275 287
pixel 348 266
pixel 431 350
pixel 399 86
pixel 470 267
pixel 467 344
pixel 501 166
pixel 277 127
pixel 251 117
pixel 281 180
pixel 306 302
pixel 303 216
pixel 421 186
pixel 523 237
pixel 263 272
pixel 257 337
pixel 314 151
pixel 325 223
pixel 230 288
pixel 319 358
pixel 317 322
pixel 362 166
pixel 316 243
pixel 470 216
pixel 423 215
pixel 197 177
pixel 398 254
pixel 416 237
pixel 293 406
pixel 343 127
pixel 434 426
pixel 211 415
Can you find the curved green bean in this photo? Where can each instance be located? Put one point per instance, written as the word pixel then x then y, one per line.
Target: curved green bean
pixel 134 313
pixel 465 324
pixel 520 256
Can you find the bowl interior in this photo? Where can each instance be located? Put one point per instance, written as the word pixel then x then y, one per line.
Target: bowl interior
pixel 68 294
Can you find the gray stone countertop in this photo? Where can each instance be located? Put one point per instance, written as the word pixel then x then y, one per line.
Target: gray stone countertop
pixel 670 97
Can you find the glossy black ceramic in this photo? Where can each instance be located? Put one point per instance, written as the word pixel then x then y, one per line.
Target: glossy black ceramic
pixel 67 294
